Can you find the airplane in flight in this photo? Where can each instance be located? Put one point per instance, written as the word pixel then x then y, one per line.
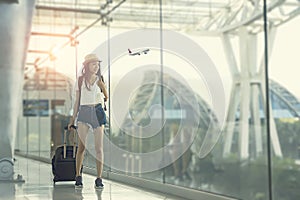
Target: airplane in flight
pixel 145 51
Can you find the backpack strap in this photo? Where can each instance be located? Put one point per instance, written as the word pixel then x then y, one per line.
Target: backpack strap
pixel 104 102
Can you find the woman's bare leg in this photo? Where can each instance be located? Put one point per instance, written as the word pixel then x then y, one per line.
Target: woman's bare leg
pixel 82 134
pixel 98 134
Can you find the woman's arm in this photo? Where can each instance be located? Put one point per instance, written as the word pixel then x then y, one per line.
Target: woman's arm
pixel 75 110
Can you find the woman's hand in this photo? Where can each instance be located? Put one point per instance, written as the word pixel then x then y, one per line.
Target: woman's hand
pixel 69 127
pixel 71 123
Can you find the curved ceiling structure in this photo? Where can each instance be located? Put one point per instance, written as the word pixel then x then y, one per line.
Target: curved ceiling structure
pixel 284 104
pixel 213 15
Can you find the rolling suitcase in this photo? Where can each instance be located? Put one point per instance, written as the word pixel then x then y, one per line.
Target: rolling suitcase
pixel 64 160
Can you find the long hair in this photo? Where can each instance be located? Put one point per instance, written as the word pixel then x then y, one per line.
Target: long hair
pixel 87 75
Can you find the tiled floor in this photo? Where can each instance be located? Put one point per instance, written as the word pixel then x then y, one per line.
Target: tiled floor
pixel 39 186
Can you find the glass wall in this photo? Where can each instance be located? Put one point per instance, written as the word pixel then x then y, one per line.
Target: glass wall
pixel 194 100
pixel 284 97
pixel 136 138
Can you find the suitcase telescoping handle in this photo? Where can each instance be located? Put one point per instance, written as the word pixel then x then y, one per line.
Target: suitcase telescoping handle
pixel 74 140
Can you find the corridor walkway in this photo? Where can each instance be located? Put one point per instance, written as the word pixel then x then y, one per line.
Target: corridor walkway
pixel 39 186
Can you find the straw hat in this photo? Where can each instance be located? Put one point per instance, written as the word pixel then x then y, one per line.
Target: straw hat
pixel 90 58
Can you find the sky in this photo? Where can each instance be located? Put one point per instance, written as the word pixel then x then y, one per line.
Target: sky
pixel 284 61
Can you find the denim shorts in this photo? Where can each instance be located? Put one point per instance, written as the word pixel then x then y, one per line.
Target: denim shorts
pixel 94 116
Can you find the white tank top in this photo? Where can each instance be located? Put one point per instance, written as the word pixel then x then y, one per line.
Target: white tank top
pixel 92 96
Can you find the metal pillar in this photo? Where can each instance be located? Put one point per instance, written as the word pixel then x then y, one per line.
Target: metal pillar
pixel 247 88
pixel 15 23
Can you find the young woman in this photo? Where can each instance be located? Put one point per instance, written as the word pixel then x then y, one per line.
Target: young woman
pixel 90 114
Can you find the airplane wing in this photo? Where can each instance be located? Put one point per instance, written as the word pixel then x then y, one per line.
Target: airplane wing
pixel 146 51
pixel 134 54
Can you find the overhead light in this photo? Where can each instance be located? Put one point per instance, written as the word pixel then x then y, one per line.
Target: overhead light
pixel 53 53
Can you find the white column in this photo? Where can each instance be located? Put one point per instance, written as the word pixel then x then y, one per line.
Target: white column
pixel 15 23
pixel 234 95
pixel 247 88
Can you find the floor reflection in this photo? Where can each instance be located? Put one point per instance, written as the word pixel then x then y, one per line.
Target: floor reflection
pixel 99 194
pixel 67 191
pixel 7 190
pixel 61 192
